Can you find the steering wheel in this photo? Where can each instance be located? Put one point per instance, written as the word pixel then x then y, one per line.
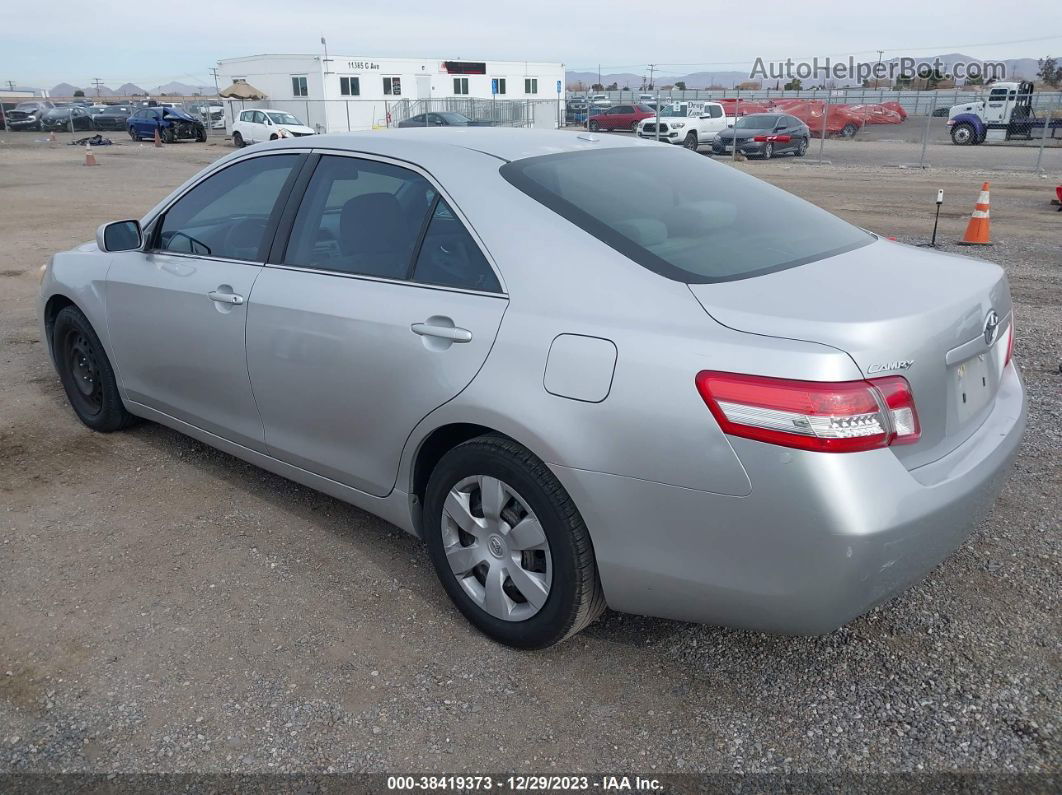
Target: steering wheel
pixel 243 238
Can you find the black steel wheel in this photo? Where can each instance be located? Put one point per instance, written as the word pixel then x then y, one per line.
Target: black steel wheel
pixel 86 373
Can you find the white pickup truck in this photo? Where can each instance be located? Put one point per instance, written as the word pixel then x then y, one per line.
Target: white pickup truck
pixel 692 124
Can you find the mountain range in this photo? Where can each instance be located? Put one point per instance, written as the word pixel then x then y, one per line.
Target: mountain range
pixel 172 88
pixel 1016 68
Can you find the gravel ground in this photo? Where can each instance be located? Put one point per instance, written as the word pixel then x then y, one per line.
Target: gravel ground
pixel 169 608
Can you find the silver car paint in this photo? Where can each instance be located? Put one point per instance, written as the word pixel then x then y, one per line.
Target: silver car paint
pixel 686 522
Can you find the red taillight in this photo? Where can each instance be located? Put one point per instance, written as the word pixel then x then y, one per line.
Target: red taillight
pixel 837 417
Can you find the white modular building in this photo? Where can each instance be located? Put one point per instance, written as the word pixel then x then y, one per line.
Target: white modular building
pixel 340 92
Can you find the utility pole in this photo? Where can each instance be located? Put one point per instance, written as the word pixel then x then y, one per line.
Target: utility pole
pixel 599 77
pixel 97 83
pixel 652 67
pixel 10 85
pixel 214 72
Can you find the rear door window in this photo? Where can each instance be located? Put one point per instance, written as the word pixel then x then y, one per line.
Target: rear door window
pixel 360 216
pixel 450 257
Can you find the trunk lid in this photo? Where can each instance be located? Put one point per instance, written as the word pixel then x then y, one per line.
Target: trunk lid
pixel 896 310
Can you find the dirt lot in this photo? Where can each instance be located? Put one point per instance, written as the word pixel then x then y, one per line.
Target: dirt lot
pixel 167 607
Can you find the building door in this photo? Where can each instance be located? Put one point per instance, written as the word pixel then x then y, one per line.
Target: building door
pixel 423 86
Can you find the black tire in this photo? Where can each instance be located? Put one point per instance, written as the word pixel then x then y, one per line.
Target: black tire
pixel 237 140
pixel 963 134
pixel 575 597
pixel 86 373
pixel 690 141
pixel 768 151
pixel 634 126
pixel 200 134
pixel 168 136
pixel 802 147
pixel 849 130
pixel 273 137
pixel 133 135
pixel 594 126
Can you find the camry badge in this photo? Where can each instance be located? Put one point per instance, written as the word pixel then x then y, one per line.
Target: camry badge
pixel 903 364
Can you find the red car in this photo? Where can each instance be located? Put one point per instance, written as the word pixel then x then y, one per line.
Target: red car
pixel 621 117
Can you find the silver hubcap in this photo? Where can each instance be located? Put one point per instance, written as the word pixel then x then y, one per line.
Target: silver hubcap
pixel 496 548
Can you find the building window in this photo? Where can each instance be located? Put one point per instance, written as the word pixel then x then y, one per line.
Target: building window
pixel 393 86
pixel 460 85
pixel 349 87
pixel 298 87
pixel 530 85
pixel 498 85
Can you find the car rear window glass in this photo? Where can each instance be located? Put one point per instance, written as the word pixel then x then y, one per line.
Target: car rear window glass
pixel 680 214
pixel 757 121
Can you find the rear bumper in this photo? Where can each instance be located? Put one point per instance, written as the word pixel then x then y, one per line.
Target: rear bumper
pixel 821 539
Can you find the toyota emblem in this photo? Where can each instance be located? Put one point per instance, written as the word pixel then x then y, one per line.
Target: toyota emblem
pixel 991 326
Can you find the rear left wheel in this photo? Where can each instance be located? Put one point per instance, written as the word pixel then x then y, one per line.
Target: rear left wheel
pixel 509 545
pixel 86 373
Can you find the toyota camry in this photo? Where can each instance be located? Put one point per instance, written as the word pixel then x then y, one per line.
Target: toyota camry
pixel 577 397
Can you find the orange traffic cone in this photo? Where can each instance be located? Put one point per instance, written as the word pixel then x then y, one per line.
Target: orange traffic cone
pixel 90 159
pixel 158 138
pixel 977 230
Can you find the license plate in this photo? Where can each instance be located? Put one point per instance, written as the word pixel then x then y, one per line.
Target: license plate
pixel 972 387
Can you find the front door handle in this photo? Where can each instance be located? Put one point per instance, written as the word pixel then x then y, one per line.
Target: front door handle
pixel 450 333
pixel 225 298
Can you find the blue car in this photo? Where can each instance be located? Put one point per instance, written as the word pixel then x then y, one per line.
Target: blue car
pixel 173 125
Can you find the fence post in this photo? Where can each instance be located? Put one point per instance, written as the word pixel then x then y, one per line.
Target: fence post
pixel 925 132
pixel 825 116
pixel 657 115
pixel 1043 137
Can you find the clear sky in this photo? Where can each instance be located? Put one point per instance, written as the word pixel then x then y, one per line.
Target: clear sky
pixel 43 43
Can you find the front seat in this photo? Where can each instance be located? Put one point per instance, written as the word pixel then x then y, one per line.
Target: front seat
pixel 374 237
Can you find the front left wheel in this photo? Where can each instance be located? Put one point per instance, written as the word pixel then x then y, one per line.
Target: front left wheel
pixel 86 373
pixel 509 545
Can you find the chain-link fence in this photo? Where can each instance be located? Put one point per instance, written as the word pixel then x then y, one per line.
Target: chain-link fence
pixel 909 128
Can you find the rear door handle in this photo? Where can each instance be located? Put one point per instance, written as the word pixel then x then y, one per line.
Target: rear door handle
pixel 442 332
pixel 225 298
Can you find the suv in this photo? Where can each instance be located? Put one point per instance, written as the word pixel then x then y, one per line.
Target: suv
pixel 692 125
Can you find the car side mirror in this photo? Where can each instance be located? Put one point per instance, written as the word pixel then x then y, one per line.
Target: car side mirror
pixel 119 236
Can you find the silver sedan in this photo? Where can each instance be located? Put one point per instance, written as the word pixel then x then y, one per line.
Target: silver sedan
pixel 586 371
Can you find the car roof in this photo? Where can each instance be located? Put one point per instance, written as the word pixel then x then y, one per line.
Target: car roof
pixel 504 143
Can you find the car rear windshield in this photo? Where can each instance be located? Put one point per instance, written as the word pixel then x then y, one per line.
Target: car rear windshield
pixel 757 121
pixel 681 215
